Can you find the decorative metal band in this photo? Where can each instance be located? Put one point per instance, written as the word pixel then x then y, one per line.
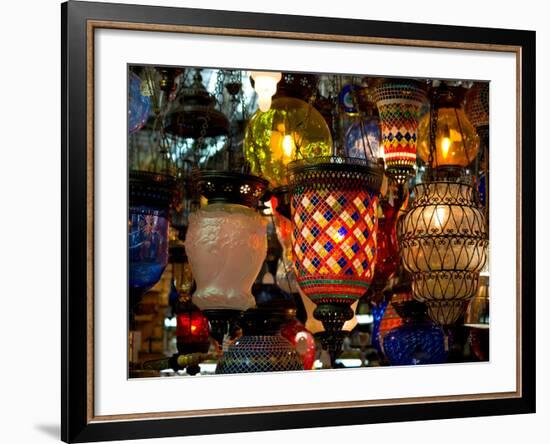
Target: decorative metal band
pixel 231 187
pixel 306 281
pixel 448 174
pixel 151 189
pixel 334 173
pixel 443 239
pixel 400 90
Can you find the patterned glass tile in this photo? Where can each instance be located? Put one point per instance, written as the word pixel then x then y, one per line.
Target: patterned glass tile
pixel 340 245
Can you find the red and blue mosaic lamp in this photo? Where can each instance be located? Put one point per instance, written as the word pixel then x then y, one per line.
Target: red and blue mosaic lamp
pixel 399 102
pixel 334 214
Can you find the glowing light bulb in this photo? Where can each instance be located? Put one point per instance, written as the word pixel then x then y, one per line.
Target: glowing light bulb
pixel 445 145
pixel 288 145
pixel 265 84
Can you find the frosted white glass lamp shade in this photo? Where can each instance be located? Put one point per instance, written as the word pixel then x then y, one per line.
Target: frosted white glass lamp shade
pixel 226 245
pixel 265 84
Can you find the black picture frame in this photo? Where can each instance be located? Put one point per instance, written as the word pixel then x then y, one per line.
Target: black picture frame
pixel 77 425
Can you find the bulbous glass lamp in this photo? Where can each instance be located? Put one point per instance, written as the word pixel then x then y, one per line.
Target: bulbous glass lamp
pixel 149 202
pixel 363 139
pixel 334 205
pixel 139 105
pixel 302 340
pixel 443 239
pixel 191 330
pixel 399 102
pixel 226 245
pixel 456 139
pixel 262 348
pixel 417 341
pixel 291 129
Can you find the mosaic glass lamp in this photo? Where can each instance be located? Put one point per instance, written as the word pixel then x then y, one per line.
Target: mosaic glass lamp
pixel 261 348
pixel 385 319
pixel 334 214
pixel 291 129
pixel 477 108
pixel 399 102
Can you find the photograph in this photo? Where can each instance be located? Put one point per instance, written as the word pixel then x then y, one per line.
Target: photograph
pixel 299 221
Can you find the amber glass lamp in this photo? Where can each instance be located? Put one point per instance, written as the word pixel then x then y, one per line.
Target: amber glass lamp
pixel 444 235
pixel 443 240
pixel 456 140
pixel 291 129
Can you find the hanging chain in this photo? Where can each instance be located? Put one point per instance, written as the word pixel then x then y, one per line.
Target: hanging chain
pixel 244 115
pixel 334 110
pixel 305 122
pixel 205 123
pixel 360 121
pixel 433 131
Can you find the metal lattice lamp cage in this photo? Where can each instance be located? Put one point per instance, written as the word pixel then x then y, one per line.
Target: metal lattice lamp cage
pixel 334 213
pixel 444 239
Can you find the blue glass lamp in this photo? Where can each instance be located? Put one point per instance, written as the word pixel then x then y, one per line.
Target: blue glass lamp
pixel 418 340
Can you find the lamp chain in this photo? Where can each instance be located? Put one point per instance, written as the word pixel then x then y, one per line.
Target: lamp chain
pixel 433 130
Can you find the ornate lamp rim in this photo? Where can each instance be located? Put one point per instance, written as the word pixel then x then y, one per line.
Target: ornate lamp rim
pixel 370 172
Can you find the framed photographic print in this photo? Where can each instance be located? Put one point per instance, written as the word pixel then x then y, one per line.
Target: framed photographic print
pixel 276 221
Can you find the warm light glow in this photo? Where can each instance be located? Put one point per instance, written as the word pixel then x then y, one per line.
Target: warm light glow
pixel 444 247
pixel 440 217
pixel 456 140
pixel 291 129
pixel 265 84
pixel 445 145
pixel 288 146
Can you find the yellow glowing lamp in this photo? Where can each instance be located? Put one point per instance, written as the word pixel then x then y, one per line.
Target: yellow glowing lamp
pixel 456 140
pixel 290 130
pixel 265 85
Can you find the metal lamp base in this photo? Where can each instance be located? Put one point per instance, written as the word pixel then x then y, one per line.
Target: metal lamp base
pixel 220 321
